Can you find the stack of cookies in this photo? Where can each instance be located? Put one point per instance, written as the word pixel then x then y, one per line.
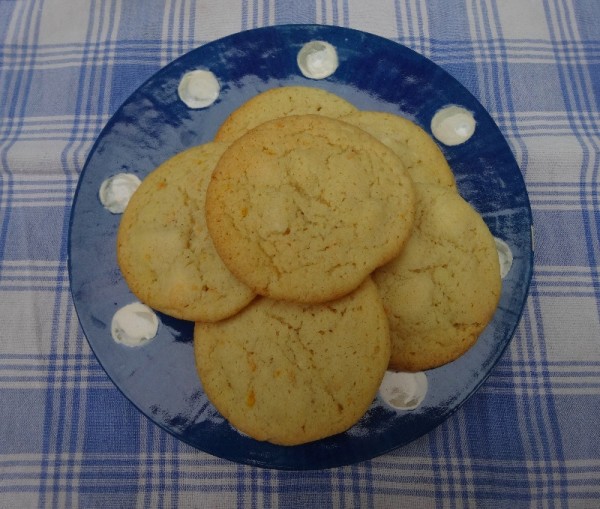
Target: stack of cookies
pixel 315 246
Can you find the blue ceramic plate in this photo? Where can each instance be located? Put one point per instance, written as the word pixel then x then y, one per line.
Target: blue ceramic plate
pixel 153 125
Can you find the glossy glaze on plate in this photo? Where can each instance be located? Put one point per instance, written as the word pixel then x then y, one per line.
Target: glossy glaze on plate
pixel 152 125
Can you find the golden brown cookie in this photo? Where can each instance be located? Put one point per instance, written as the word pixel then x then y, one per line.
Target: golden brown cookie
pixel 290 373
pixel 303 208
pixel 421 156
pixel 443 289
pixel 282 102
pixel 163 247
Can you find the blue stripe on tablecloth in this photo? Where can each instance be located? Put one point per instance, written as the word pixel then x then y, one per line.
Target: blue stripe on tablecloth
pixel 7 114
pixel 57 420
pixel 357 485
pixel 268 8
pixel 240 486
pixel 56 410
pixel 161 473
pixel 505 484
pixel 254 488
pixel 169 49
pixel 7 76
pixel 291 11
pixel 14 56
pixel 91 97
pixel 436 466
pixel 572 73
pixel 6 15
pixel 16 107
pixel 573 77
pixel 346 14
pixel 76 404
pixel 247 493
pixel 397 12
pixel 244 15
pixel 496 59
pixel 544 413
pixel 534 186
pixel 71 408
pixel 335 17
pixel 255 22
pixel 523 155
pixel 410 19
pixel 180 27
pixel 369 487
pixel 558 50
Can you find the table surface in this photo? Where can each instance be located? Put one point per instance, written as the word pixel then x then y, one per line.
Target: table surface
pixel 528 438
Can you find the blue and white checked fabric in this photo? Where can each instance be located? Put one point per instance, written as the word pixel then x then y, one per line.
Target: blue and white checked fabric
pixel 529 438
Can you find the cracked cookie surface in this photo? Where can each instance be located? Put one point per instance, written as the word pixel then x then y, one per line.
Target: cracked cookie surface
pixel 163 248
pixel 421 156
pixel 282 102
pixel 303 208
pixel 443 289
pixel 291 373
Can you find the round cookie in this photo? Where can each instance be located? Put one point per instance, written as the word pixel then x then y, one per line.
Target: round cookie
pixel 421 156
pixel 303 208
pixel 290 373
pixel 282 102
pixel 163 247
pixel 443 289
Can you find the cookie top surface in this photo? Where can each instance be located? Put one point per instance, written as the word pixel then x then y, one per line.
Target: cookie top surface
pixel 443 289
pixel 291 373
pixel 303 208
pixel 282 102
pixel 420 154
pixel 163 248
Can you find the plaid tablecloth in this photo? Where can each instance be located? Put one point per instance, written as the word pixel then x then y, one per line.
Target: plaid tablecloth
pixel 530 437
